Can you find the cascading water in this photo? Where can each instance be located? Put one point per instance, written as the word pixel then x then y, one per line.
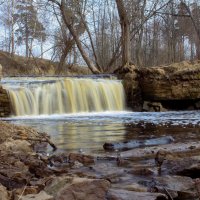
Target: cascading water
pixel 68 95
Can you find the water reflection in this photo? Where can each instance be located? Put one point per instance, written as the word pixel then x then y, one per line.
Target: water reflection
pixel 91 131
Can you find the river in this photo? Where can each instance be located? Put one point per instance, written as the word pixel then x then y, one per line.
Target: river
pixel 89 127
pixel 89 131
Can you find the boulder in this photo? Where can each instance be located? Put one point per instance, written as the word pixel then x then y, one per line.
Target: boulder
pixel 78 188
pixel 178 187
pixel 153 106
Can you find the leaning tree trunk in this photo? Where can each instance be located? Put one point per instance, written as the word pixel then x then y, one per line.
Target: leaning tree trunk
pixel 125 28
pixel 69 43
pixel 88 61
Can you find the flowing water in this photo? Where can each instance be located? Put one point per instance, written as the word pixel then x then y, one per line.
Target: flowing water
pixel 65 95
pixel 86 113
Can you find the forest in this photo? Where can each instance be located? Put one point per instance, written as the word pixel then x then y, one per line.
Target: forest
pixel 102 35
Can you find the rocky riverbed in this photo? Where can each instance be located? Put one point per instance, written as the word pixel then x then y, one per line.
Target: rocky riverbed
pixel 27 172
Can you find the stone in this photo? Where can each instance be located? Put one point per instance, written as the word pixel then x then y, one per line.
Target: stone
pixel 173 149
pixel 153 106
pixel 17 146
pixel 82 158
pixel 3 193
pixel 179 187
pixel 197 105
pixel 134 187
pixel 78 188
pixel 41 196
pixel 119 194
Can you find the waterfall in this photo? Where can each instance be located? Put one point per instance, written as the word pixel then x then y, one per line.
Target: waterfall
pixel 68 95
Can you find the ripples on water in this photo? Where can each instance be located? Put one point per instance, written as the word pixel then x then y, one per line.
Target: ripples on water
pixel 90 131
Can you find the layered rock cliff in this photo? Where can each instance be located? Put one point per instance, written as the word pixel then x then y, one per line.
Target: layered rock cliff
pixel 176 86
pixel 174 82
pixel 173 87
pixel 130 77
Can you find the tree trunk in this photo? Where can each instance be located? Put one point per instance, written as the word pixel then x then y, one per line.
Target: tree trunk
pixel 68 47
pixel 88 61
pixel 12 34
pixel 41 47
pixel 26 34
pixel 196 27
pixel 139 43
pixel 125 28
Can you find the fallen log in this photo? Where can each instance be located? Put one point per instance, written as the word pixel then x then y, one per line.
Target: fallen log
pixel 45 139
pixel 172 150
pixel 138 143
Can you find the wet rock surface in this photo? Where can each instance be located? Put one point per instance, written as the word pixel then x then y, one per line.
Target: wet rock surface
pixel 129 195
pixel 165 171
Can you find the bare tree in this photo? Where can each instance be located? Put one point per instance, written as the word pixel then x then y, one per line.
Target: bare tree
pixel 67 16
pixel 125 28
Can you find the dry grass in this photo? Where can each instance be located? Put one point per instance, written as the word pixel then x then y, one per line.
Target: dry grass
pixel 19 65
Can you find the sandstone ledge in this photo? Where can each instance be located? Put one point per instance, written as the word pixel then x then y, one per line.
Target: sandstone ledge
pixel 179 81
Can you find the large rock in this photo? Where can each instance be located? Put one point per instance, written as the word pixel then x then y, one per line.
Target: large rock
pixel 179 81
pixel 16 146
pixel 78 188
pixel 130 78
pixel 178 187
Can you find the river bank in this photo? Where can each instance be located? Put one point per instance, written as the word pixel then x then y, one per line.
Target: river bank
pixel 27 171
